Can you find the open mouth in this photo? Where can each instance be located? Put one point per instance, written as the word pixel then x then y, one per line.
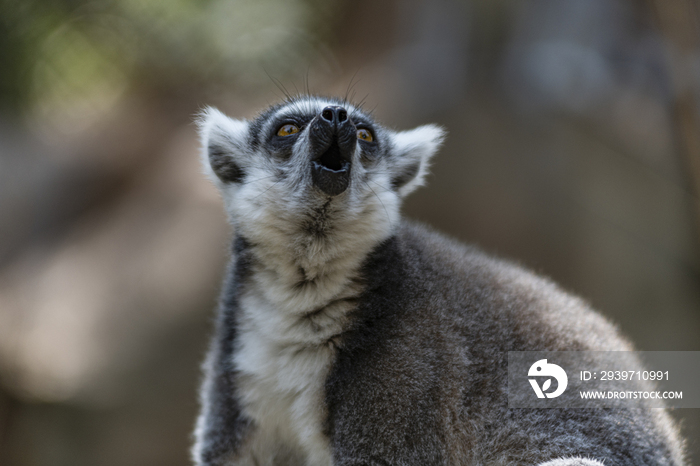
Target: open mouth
pixel 331 160
pixel 331 171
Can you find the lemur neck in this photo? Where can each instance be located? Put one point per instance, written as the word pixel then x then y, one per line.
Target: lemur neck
pixel 308 256
pixel 303 272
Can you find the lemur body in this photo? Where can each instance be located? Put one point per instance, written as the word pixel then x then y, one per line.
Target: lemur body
pixel 348 336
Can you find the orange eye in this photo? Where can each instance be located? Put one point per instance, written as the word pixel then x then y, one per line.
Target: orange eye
pixel 287 130
pixel 365 135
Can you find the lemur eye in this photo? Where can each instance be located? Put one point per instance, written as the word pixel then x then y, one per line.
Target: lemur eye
pixel 365 135
pixel 287 130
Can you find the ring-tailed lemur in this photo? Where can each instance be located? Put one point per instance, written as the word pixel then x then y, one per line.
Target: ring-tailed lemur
pixel 349 336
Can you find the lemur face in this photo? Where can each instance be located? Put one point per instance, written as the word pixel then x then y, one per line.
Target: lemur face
pixel 313 163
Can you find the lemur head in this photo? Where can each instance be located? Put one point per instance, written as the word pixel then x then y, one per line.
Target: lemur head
pixel 314 173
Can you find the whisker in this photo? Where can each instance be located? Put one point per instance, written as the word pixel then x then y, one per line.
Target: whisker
pixel 259 179
pixel 268 188
pixel 351 86
pixel 371 112
pixel 278 83
pixel 388 217
pixel 380 185
pixel 362 102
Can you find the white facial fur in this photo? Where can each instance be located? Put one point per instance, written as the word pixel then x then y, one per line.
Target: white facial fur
pixel 308 249
pixel 275 213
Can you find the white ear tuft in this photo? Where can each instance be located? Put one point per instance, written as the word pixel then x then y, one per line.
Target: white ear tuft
pixel 224 141
pixel 412 152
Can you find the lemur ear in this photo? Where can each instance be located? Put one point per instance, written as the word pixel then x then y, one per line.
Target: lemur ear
pixel 412 152
pixel 223 144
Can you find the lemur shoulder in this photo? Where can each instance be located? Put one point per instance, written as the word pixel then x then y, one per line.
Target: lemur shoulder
pixel 346 335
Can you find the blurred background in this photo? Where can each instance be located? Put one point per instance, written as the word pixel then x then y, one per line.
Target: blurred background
pixel 573 148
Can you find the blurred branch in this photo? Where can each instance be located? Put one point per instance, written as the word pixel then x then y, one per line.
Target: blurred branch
pixel 679 23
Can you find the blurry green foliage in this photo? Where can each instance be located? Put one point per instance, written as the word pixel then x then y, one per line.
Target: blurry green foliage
pixel 64 58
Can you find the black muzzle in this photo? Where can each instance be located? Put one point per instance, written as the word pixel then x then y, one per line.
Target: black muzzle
pixel 333 138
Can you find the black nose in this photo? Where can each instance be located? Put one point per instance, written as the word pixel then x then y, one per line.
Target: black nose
pixel 334 114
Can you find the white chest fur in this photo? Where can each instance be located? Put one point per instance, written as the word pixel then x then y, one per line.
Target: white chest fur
pixel 283 358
